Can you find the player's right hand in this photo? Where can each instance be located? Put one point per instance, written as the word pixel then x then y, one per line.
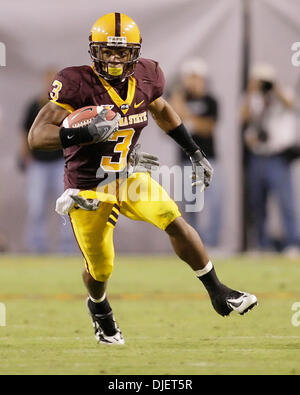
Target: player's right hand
pixel 86 204
pixel 202 170
pixel 101 129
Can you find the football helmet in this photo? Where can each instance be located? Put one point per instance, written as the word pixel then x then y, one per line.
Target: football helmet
pixel 114 46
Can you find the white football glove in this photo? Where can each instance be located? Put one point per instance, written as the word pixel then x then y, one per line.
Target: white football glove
pixel 65 203
pixel 70 197
pixel 202 170
pixel 101 129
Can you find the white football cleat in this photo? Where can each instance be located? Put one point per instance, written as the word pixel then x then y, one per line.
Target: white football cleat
pixel 101 337
pixel 105 328
pixel 242 303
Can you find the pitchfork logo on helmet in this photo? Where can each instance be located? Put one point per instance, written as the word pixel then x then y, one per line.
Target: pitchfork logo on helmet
pixel 115 44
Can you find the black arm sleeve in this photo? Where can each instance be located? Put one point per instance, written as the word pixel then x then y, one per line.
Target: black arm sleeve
pixel 184 139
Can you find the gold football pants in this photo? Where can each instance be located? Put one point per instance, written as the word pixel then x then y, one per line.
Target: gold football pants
pixel 140 198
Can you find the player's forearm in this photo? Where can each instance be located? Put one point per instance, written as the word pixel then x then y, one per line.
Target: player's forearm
pixel 44 137
pixel 44 133
pixel 164 115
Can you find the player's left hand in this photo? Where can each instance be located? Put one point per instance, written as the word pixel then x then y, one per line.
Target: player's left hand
pixel 142 161
pixel 202 170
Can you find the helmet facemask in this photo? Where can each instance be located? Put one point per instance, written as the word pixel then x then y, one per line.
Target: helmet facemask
pixel 105 68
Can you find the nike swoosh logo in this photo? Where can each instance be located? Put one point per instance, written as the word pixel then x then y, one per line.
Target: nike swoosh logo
pixel 70 137
pixel 234 304
pixel 137 105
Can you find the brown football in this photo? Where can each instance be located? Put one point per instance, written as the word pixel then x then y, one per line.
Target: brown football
pixel 84 115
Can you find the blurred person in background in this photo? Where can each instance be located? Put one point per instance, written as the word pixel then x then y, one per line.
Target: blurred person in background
pixel 198 108
pixel 45 172
pixel 269 124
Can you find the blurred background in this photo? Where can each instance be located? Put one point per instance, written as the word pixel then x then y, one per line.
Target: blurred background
pixel 231 38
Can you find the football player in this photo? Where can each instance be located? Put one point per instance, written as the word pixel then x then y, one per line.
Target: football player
pixel 120 79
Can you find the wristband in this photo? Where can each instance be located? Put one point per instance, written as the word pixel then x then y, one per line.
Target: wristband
pixel 197 156
pixel 74 136
pixel 184 139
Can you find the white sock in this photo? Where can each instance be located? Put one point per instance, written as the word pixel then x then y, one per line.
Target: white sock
pixel 98 300
pixel 208 267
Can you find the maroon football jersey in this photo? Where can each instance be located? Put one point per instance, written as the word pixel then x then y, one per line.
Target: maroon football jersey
pixel 76 87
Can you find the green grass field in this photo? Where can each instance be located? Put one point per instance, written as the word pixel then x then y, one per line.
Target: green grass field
pixel 163 311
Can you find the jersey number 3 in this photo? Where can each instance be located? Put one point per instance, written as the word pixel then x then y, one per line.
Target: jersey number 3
pixel 121 148
pixel 57 88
